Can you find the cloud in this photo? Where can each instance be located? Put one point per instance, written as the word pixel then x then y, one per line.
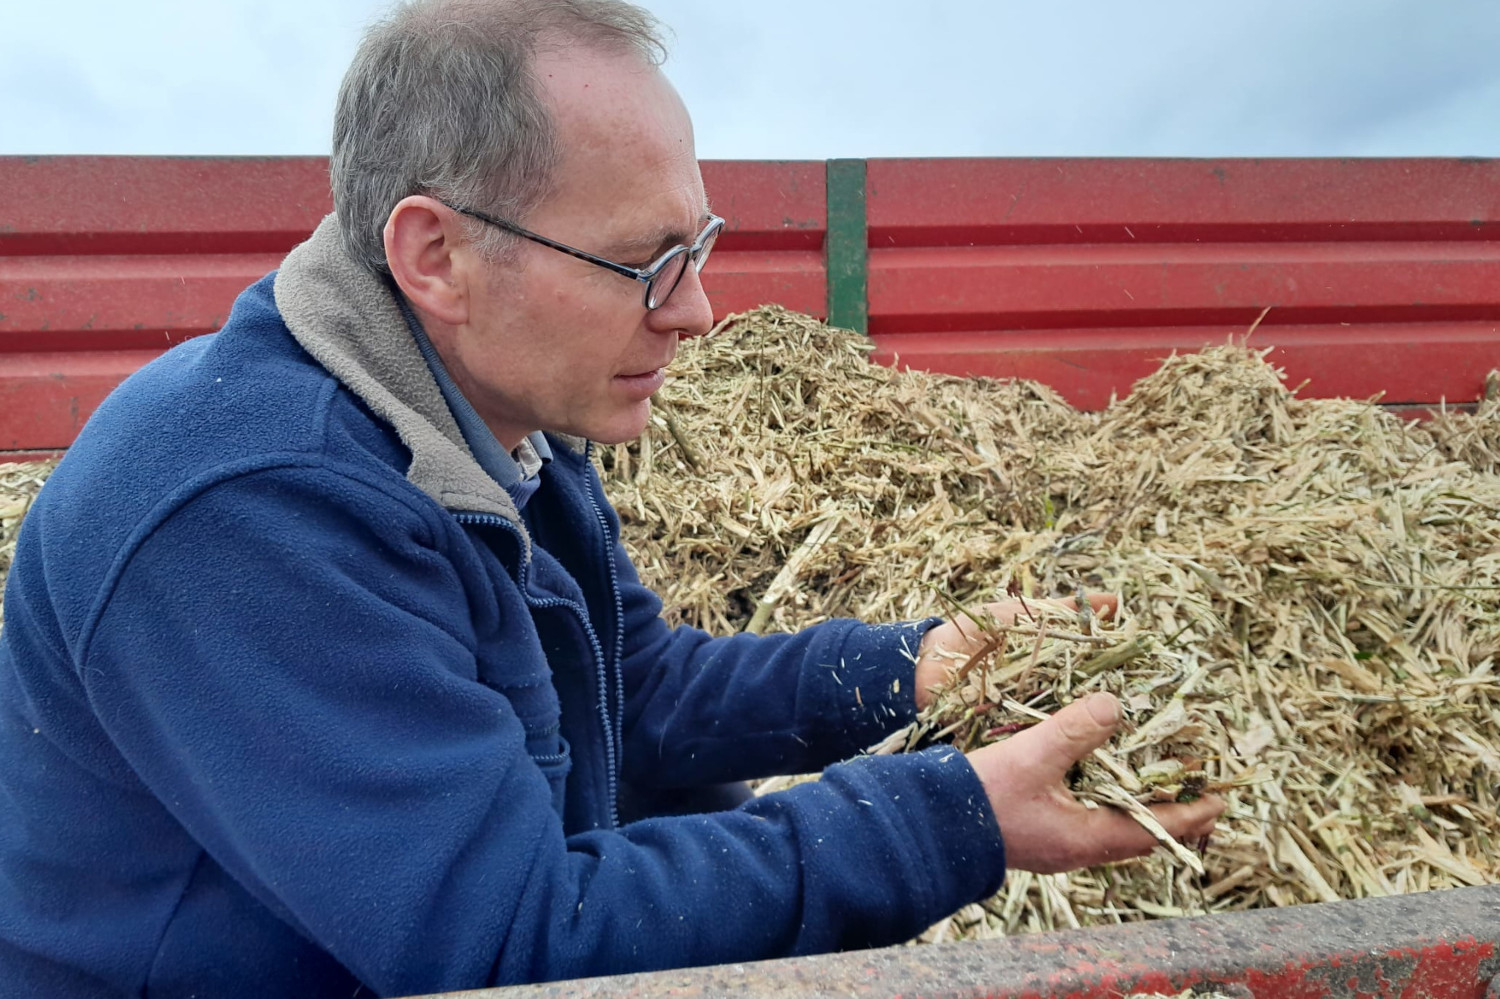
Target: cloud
pixel 1086 77
pixel 171 76
pixel 812 79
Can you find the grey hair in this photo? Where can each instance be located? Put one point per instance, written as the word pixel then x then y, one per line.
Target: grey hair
pixel 441 99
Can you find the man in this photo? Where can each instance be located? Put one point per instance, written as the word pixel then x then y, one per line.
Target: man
pixel 323 669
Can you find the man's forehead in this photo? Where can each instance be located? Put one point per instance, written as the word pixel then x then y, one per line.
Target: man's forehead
pixel 625 148
pixel 604 91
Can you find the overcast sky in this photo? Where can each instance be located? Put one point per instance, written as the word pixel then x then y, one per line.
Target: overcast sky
pixel 813 79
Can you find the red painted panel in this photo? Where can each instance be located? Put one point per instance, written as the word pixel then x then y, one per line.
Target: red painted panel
pixel 768 206
pixel 962 201
pixel 44 454
pixel 950 288
pixel 45 398
pixel 141 204
pixel 1410 363
pixel 1078 272
pixel 107 261
pixel 144 301
pixel 1382 275
pixel 736 281
pixel 133 300
pixel 147 204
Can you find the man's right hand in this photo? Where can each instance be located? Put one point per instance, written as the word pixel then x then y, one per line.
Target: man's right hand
pixel 1046 829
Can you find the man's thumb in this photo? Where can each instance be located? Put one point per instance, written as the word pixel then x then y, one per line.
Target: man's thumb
pixel 1074 732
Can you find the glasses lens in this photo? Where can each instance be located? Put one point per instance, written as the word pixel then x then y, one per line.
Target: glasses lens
pixel 665 282
pixel 712 237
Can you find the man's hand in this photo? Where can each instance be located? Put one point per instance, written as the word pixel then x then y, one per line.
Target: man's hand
pixel 1046 829
pixel 961 637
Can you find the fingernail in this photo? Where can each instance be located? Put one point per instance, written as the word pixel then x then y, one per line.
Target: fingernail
pixel 1103 708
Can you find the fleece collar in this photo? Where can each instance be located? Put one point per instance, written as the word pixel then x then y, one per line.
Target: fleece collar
pixel 350 322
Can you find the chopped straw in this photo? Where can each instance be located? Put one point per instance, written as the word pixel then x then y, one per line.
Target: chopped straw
pixel 1308 592
pixel 1308 589
pixel 19 484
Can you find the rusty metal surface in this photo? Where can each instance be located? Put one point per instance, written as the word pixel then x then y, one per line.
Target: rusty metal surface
pixel 1436 945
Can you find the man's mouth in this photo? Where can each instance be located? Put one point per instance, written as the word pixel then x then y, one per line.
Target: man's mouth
pixel 645 383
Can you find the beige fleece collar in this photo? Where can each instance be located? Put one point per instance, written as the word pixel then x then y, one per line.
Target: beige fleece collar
pixel 348 320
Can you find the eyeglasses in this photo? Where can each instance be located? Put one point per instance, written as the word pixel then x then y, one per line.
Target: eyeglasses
pixel 661 277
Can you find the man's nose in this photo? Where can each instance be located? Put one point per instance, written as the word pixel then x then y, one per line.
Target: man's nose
pixel 686 311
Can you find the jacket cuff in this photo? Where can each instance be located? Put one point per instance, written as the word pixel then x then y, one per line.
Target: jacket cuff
pixel 929 844
pixel 875 681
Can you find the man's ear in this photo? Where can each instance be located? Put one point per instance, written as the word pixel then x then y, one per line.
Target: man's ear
pixel 424 248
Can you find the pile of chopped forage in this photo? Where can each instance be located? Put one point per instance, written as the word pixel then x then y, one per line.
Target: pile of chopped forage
pixel 19 484
pixel 1308 592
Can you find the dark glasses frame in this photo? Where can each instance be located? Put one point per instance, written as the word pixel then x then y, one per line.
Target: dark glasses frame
pixel 654 296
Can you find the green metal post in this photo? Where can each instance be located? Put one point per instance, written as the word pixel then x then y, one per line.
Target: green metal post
pixel 847 246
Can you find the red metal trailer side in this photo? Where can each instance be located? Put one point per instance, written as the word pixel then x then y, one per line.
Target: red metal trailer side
pixel 1382 276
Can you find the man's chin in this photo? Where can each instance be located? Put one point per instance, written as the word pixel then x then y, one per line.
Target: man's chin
pixel 621 430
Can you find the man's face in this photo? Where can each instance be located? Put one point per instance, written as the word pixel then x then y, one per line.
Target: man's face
pixel 559 344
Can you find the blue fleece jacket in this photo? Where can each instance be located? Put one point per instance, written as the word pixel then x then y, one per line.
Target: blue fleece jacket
pixel 276 721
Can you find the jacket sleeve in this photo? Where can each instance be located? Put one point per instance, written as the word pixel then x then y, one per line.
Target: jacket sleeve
pixel 283 659
pixel 702 710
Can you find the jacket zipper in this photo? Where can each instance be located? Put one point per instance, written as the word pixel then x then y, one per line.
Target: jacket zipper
pixel 612 745
pixel 614 589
